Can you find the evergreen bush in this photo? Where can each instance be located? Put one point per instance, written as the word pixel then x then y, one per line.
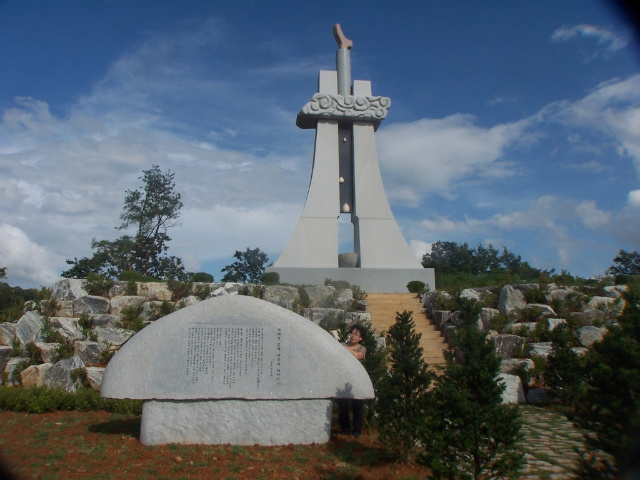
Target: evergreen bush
pixel 564 369
pixel 202 277
pixel 470 433
pixel 270 278
pixel 403 393
pixel 418 287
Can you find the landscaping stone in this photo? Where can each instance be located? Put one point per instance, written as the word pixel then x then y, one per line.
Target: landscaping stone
pixel 59 375
pixel 440 318
pixel 88 351
pixel 188 301
pixel 65 308
pixel 11 366
pixel 282 295
pixel 317 315
pixel 320 295
pixel 68 289
pixel 154 291
pixel 5 355
pixel 486 316
pixel 103 320
pixel 69 328
pixel 113 335
pixel 94 377
pixel 545 311
pixel 470 294
pixel 343 298
pixel 541 349
pixel 506 344
pixel 552 323
pixel 7 333
pixel 516 328
pixel 351 317
pixel 589 335
pixel 91 305
pixel 28 328
pixel 121 302
pixel 510 299
pixel 513 392
pixel 588 318
pixel 512 365
pixel 33 376
pixel 48 351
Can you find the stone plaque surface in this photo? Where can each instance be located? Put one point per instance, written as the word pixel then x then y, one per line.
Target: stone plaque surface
pixel 234 347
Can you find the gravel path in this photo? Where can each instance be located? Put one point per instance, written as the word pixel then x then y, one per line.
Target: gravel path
pixel 550 443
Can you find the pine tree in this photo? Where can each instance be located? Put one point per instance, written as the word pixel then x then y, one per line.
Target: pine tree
pixel 403 394
pixel 470 433
pixel 563 371
pixel 609 406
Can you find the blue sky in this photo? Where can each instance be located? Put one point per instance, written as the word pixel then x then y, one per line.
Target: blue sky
pixel 512 123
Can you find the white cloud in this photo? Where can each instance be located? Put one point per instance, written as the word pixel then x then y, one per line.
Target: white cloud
pixel 420 248
pixel 428 156
pixel 27 262
pixel 591 216
pixel 633 199
pixel 610 40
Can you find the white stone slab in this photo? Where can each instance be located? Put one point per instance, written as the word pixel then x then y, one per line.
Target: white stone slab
pixel 234 347
pixel 236 422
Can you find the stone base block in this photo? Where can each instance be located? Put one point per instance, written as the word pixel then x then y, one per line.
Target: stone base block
pixel 372 280
pixel 236 422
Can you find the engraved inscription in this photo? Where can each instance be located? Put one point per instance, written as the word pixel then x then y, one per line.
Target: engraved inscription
pixel 234 356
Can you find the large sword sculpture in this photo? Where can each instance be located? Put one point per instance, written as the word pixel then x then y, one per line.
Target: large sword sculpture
pixel 346 179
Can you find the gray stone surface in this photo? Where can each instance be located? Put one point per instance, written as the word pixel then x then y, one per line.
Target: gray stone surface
pixel 47 351
pixel 486 316
pixel 317 315
pixel 94 377
pixel 121 302
pixel 33 376
pixel 7 333
pixel 59 375
pixel 541 349
pixel 65 308
pixel 68 289
pixel 180 356
pixel 589 335
pixel 283 295
pixel 88 351
pixel 236 422
pixel 320 296
pixel 11 366
pixel 544 311
pixel 588 318
pixel 541 396
pixel 28 327
pixel 506 344
pixel 104 320
pixel 440 318
pixel 552 323
pixel 91 305
pixel 470 294
pixel 67 327
pixel 510 299
pixel 511 365
pixel 351 317
pixel 513 392
pixel 154 291
pixel 343 298
pixel 112 335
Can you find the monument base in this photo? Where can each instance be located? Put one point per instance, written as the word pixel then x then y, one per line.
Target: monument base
pixel 236 422
pixel 372 280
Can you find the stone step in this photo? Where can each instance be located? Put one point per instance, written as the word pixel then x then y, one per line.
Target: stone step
pixel 383 308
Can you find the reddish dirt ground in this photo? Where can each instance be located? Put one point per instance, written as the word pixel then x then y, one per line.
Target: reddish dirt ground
pixel 102 445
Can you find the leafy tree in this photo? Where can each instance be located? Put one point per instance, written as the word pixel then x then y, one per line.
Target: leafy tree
pixel 248 268
pixel 3 272
pixel 625 263
pixel 152 210
pixel 609 406
pixel 403 394
pixel 564 369
pixel 470 433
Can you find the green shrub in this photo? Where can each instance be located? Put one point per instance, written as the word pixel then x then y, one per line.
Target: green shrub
pixel 130 318
pixel 106 354
pixel 202 277
pixel 43 399
pixel 418 287
pixel 498 322
pixel 16 348
pixel 34 354
pixel 535 295
pixel 15 377
pixel 250 291
pixel 270 278
pixel 96 284
pixel 179 289
pixel 85 324
pixel 48 308
pixel 202 291
pixel 132 288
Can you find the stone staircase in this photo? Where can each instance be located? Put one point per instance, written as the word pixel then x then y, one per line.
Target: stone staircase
pixel 383 307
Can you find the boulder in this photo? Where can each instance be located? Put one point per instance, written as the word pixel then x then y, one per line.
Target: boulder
pixel 540 349
pixel 188 301
pixel 121 302
pixel 433 300
pixel 590 335
pixel 69 328
pixel 154 291
pixel 351 317
pixel 282 295
pixel 486 316
pixel 506 344
pixel 588 318
pixel 320 296
pixel 28 328
pixel 513 392
pixel 518 327
pixel 614 291
pixel 91 305
pixel 512 365
pixel 48 351
pixel 470 294
pixel 113 336
pixel 558 294
pixel 456 319
pixel 59 375
pixel 65 308
pixel 613 305
pixel 5 355
pixel 118 288
pixel 88 351
pixel 94 376
pixel 69 289
pixel 11 366
pixel 540 396
pixel 510 299
pixel 580 351
pixel 7 333
pixel 149 310
pixel 317 315
pixel 552 323
pixel 33 376
pixel 343 298
pixel 544 311
pixel 104 320
pixel 440 318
